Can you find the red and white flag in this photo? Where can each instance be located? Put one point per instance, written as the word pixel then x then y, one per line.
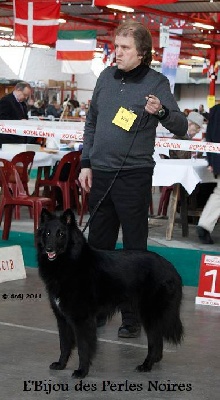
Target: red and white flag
pixel 205 67
pixel 36 21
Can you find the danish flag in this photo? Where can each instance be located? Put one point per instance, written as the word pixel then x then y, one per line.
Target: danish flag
pixel 36 21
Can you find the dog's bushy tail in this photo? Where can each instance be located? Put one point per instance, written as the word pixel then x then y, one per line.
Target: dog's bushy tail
pixel 171 323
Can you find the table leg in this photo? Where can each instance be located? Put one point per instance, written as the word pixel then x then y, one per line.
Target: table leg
pixel 173 205
pixel 184 211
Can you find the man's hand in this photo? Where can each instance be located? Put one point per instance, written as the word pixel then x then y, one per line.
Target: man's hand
pixel 153 104
pixel 85 178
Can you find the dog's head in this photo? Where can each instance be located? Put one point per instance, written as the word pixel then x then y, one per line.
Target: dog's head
pixel 55 233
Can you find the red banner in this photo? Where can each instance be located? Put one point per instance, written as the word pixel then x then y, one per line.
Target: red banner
pixel 131 3
pixel 36 21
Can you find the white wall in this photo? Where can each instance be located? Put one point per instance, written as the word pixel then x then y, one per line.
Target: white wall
pixel 193 95
pixel 30 64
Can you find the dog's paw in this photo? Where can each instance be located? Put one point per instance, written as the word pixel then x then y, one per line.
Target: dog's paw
pixel 145 367
pixel 57 365
pixel 79 373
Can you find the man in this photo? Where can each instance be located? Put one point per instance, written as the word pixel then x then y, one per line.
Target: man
pixel 195 123
pixel 13 107
pixel 128 102
pixel 211 211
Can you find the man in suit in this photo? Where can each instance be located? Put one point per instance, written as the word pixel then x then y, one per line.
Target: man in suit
pixel 13 107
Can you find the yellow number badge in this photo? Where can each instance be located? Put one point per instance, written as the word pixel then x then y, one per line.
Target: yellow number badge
pixel 124 118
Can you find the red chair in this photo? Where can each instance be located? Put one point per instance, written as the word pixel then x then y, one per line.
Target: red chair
pixel 23 162
pixel 164 200
pixel 84 202
pixel 13 194
pixel 64 178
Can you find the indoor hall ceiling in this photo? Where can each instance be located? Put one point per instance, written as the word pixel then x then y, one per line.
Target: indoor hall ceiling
pixel 179 15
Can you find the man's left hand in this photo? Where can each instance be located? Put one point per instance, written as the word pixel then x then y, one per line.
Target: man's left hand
pixel 153 104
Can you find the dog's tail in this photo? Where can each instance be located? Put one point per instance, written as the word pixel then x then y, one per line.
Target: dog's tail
pixel 173 330
pixel 171 323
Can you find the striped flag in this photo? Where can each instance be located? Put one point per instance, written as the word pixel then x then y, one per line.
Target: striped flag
pixel 105 53
pixel 205 67
pixel 76 49
pixel 36 21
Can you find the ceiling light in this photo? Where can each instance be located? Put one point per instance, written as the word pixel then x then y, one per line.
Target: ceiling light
pixel 185 66
pixel 6 29
pixel 40 46
pixel 205 26
pixel 202 45
pixel 197 58
pixel 120 8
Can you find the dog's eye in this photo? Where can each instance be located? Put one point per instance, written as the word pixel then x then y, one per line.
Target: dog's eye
pixel 48 233
pixel 60 234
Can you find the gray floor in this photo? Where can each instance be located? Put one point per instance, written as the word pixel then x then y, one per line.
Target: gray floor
pixel 29 343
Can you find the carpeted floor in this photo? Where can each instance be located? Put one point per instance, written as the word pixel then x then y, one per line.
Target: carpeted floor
pixel 186 261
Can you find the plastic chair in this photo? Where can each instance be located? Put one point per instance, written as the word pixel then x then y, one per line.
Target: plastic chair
pixel 84 202
pixel 14 194
pixel 64 178
pixel 164 200
pixel 23 162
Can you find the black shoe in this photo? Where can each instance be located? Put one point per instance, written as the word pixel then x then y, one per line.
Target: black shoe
pixel 204 235
pixel 129 331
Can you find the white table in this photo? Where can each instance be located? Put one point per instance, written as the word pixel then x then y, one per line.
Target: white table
pixel 186 172
pixel 181 174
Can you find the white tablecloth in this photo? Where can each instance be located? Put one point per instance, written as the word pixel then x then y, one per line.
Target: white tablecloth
pixel 187 172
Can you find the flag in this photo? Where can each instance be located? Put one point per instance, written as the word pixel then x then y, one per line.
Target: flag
pixel 36 21
pixel 170 61
pixel 105 53
pixel 213 71
pixel 112 56
pixel 76 49
pixel 205 67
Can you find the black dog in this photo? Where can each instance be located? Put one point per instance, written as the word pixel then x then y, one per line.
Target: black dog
pixel 82 282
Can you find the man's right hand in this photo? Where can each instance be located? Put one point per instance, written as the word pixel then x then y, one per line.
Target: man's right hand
pixel 85 178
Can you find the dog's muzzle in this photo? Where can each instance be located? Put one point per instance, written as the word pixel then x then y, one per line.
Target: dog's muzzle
pixel 51 255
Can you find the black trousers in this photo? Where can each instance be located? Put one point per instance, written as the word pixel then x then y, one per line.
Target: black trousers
pixel 126 205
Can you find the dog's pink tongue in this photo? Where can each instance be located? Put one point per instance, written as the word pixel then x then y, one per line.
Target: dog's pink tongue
pixel 51 255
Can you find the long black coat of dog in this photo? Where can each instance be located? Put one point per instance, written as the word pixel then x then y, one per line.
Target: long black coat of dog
pixel 82 282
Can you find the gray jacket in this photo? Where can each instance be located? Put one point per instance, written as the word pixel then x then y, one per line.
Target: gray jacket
pixel 105 144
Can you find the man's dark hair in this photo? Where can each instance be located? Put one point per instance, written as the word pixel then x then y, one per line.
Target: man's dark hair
pixel 142 38
pixel 22 85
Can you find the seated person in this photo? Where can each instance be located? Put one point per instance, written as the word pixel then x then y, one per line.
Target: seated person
pixel 195 123
pixel 38 110
pixel 13 107
pixel 53 109
pixel 82 110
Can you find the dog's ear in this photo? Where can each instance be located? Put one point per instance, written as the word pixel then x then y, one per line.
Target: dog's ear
pixel 69 217
pixel 45 215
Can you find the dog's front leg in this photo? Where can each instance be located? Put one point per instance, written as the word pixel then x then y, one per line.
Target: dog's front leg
pixel 86 340
pixel 67 342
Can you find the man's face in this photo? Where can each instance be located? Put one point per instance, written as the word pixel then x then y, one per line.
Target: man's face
pixel 22 95
pixel 127 57
pixel 193 129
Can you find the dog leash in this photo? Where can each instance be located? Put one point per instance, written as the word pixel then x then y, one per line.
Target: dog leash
pixel 116 175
